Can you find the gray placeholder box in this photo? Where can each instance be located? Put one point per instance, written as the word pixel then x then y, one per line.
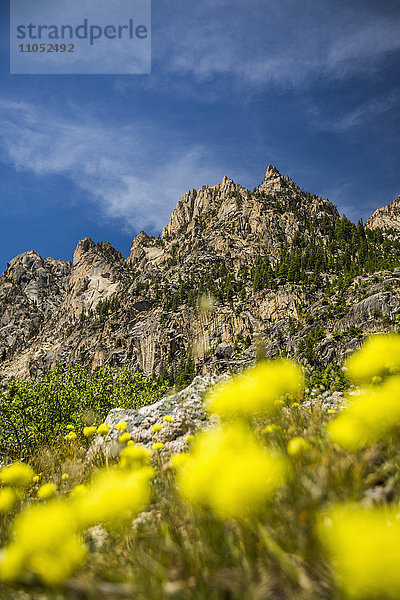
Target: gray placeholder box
pixel 98 37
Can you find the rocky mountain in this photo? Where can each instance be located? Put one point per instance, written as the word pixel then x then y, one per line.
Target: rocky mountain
pixel 234 273
pixel 386 217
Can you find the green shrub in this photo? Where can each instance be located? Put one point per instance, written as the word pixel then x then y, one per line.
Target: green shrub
pixel 36 413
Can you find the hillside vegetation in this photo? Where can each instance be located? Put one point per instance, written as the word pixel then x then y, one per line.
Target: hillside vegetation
pixel 279 500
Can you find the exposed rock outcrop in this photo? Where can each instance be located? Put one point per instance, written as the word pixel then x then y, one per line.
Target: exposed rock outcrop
pixel 386 217
pixel 185 408
pixel 94 276
pixel 142 312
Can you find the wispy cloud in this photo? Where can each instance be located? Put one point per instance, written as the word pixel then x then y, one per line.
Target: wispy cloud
pixel 133 173
pixel 283 42
pixel 358 116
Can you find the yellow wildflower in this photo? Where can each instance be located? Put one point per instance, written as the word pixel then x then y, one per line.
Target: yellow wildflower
pixel 229 471
pixel 89 431
pixel 114 496
pixel 8 499
pixel 370 417
pixel 168 419
pixel 279 403
pixel 17 474
pixel 179 460
pixel 44 544
pixel 121 426
pixel 124 438
pixel 363 545
pixel 156 428
pixel 70 437
pixel 157 446
pixel 70 427
pixel 257 389
pixel 133 457
pixel 378 356
pixel 47 490
pixel 297 445
pixel 78 490
pixel 35 479
pixel 65 476
pixel 103 429
pixel 271 428
pixel 206 303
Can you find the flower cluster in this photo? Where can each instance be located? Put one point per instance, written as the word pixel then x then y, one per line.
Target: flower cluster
pixel 363 545
pixel 229 471
pixel 46 540
pixel 256 390
pixel 378 357
pixel 376 411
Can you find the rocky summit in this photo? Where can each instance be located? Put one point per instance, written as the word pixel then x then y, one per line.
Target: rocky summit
pixel 235 273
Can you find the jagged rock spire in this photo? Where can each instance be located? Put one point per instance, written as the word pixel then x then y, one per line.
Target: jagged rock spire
pixel 273 180
pixel 272 173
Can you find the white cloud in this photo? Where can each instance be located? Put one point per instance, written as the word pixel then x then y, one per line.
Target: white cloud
pixel 358 116
pixel 134 173
pixel 284 42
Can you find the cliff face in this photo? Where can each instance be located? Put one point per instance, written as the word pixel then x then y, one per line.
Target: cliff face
pixel 94 276
pixel 32 289
pixel 220 243
pixel 386 217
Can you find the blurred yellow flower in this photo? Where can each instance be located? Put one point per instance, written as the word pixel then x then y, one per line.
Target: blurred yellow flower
pixel 89 431
pixel 70 437
pixel 114 495
pixel 35 479
pixel 8 499
pixel 229 471
pixel 179 460
pixel 44 544
pixel 168 419
pixel 121 426
pixel 103 429
pixel 78 490
pixel 279 403
pixel 257 389
pixel 206 303
pixel 363 546
pixel 47 490
pixel 297 445
pixel 271 428
pixel 156 428
pixel 70 427
pixel 65 476
pixel 124 438
pixel 378 356
pixel 370 417
pixel 18 474
pixel 133 457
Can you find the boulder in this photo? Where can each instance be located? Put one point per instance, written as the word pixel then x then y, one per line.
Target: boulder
pixel 185 407
pixel 223 350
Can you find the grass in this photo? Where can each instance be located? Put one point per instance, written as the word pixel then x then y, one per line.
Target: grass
pixel 179 549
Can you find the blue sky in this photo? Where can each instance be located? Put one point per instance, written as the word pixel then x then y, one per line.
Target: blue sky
pixel 311 86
